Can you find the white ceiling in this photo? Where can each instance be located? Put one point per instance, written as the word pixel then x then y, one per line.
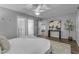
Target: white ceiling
pixel 56 9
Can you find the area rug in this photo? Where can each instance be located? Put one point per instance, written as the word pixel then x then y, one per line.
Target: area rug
pixel 60 48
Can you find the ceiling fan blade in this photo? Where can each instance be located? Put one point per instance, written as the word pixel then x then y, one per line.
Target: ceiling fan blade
pixel 38 9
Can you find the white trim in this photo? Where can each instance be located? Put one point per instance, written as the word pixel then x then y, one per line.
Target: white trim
pixel 77 42
pixel 0 49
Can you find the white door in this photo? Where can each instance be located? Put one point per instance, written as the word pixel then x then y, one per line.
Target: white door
pixel 30 27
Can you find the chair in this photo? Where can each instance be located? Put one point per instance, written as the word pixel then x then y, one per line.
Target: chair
pixel 4 45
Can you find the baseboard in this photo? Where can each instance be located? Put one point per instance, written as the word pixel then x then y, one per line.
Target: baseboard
pixel 58 37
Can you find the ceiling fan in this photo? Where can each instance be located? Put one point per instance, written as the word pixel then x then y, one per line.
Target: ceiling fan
pixel 37 8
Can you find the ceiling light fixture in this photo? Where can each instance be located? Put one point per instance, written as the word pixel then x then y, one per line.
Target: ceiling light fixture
pixel 37 13
pixel 37 8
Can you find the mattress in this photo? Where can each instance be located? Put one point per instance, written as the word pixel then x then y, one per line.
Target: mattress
pixel 28 45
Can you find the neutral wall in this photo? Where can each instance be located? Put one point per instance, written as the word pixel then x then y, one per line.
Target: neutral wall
pixel 8 26
pixel 64 33
pixel 77 27
pixel 8 22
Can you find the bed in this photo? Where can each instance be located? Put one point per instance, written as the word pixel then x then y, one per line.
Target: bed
pixel 29 45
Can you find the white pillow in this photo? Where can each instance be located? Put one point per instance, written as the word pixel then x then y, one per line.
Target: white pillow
pixel 4 44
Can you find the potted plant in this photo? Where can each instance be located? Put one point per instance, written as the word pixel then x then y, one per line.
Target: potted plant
pixel 69 26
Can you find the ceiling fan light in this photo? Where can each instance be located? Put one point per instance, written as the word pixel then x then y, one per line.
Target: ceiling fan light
pixel 41 8
pixel 38 8
pixel 37 13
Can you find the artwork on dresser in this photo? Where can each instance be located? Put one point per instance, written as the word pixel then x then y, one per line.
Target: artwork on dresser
pixel 54 25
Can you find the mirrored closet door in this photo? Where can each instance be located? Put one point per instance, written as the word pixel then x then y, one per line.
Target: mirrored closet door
pixel 25 27
pixel 30 27
pixel 21 27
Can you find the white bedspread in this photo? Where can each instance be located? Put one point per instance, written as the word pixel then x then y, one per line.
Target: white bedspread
pixel 28 45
